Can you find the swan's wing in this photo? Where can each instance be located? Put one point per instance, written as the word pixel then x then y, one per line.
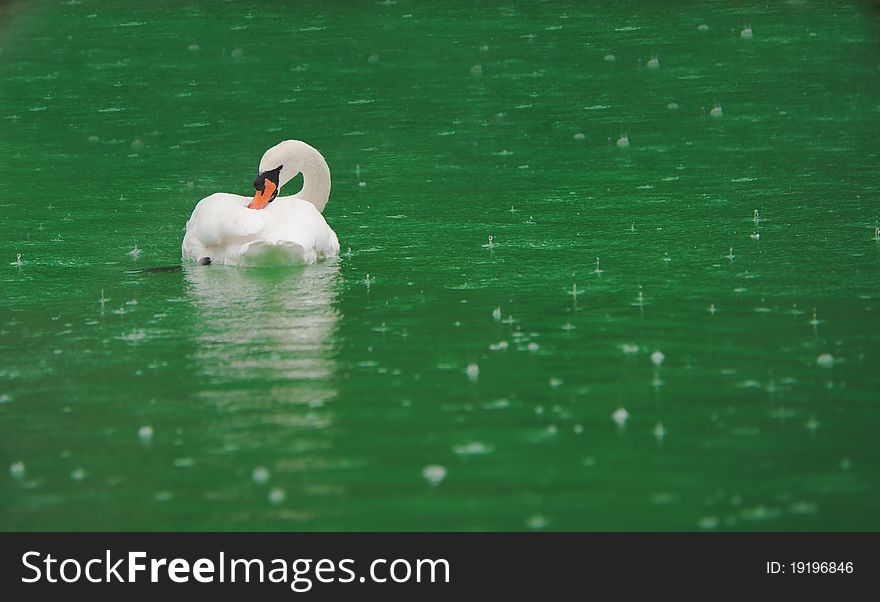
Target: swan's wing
pixel 327 244
pixel 290 219
pixel 222 216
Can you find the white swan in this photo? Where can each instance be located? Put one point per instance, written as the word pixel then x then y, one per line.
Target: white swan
pixel 235 230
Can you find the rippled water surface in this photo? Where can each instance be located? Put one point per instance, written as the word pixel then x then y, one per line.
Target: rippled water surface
pixel 533 325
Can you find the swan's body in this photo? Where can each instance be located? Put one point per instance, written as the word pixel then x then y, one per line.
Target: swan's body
pixel 225 229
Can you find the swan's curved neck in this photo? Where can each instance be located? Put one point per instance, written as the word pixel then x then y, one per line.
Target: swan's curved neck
pixel 316 178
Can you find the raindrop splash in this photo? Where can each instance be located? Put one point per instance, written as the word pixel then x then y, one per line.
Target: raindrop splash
pixel 657 358
pixel 145 434
pixel 825 360
pixel 659 431
pixel 260 475
pixel 434 474
pixel 620 416
pixel 473 372
pixel 17 471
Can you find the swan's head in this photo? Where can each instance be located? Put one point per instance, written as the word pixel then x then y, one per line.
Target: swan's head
pixel 279 165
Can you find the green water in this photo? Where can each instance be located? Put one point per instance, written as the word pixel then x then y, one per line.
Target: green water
pixel 349 384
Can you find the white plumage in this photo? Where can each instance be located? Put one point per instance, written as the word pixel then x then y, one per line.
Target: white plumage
pixel 288 230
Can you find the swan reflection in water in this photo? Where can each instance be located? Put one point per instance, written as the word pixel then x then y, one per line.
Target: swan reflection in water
pixel 265 337
pixel 264 349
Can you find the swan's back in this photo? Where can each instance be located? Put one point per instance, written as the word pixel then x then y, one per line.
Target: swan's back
pixel 289 230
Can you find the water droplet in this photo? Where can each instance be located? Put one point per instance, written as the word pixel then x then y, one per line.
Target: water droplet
pixel 537 522
pixel 277 496
pixel 434 474
pixel 145 434
pixel 260 475
pixel 640 300
pixel 803 507
pixel 825 360
pixel 473 372
pixel 659 431
pixel 708 522
pixel 474 448
pixel 17 471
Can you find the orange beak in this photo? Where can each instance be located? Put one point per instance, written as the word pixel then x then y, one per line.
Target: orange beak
pixel 261 199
